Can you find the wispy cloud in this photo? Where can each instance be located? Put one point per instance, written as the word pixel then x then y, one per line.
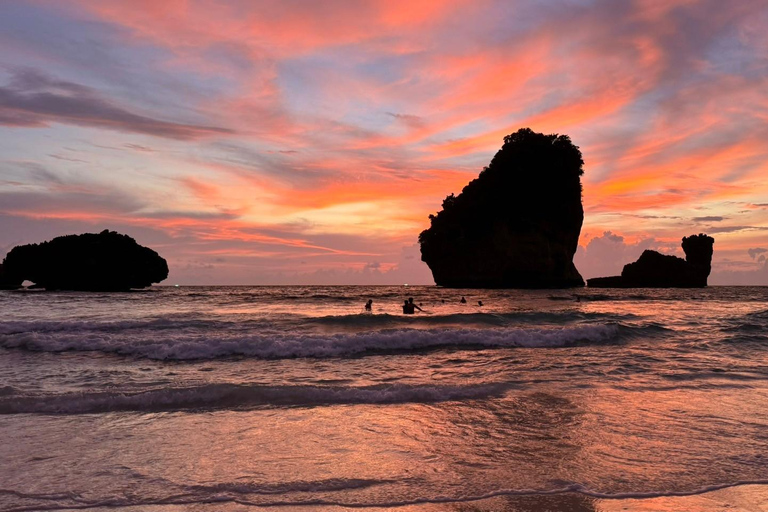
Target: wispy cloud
pixel 34 99
pixel 269 133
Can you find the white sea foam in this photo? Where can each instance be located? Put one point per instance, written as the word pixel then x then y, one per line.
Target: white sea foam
pixel 372 321
pixel 169 345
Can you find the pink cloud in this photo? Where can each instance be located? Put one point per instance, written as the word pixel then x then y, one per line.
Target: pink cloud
pixel 350 119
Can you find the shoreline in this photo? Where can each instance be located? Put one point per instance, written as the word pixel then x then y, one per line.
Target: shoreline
pixel 738 497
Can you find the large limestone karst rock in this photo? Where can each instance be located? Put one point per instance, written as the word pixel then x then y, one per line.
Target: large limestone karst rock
pixel 8 282
pixel 517 225
pixel 656 270
pixel 107 261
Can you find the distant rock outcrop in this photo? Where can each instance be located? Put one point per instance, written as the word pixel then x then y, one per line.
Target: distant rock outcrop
pixel 517 225
pixel 107 261
pixel 655 270
pixel 8 282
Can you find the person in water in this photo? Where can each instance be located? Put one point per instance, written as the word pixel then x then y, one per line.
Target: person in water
pixel 479 303
pixel 463 300
pixel 409 307
pixel 368 305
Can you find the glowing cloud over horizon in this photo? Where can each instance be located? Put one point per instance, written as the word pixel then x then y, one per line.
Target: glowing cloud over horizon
pixel 280 142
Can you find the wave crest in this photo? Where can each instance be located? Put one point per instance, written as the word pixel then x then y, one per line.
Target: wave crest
pixel 186 346
pixel 235 396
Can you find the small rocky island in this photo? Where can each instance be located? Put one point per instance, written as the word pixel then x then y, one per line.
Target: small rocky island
pixel 515 226
pixel 107 261
pixel 656 270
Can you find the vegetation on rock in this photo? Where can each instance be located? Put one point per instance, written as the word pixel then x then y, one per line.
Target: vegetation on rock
pixel 107 261
pixel 515 226
pixel 656 270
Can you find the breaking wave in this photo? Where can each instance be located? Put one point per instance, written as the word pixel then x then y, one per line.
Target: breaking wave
pixel 171 345
pixel 179 322
pixel 469 319
pixel 239 396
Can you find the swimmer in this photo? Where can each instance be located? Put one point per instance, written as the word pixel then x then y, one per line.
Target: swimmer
pixel 368 305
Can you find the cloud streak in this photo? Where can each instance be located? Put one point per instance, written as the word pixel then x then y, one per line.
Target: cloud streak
pixel 270 133
pixel 33 99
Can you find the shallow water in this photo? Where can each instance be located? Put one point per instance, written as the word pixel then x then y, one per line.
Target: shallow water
pixel 238 396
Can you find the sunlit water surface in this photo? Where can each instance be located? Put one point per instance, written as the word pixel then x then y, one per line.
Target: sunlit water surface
pixel 237 396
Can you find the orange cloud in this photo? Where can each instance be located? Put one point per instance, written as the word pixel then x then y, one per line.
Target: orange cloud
pixel 345 119
pixel 203 191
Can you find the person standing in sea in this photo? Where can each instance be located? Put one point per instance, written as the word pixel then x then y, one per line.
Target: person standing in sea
pixel 409 307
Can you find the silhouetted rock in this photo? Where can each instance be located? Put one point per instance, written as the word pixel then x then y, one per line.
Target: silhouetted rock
pixel 107 261
pixel 517 225
pixel 655 270
pixel 8 282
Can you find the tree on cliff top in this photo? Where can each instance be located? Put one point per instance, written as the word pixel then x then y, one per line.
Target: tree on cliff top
pixel 107 261
pixel 532 175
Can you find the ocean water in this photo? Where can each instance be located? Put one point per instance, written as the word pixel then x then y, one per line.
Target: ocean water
pixel 227 398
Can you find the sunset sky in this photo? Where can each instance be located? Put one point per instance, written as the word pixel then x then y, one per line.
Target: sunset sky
pixel 276 142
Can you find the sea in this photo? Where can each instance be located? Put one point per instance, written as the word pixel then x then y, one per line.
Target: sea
pixel 296 398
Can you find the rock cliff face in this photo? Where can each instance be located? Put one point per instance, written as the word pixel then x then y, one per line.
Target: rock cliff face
pixel 8 282
pixel 655 270
pixel 517 225
pixel 107 261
